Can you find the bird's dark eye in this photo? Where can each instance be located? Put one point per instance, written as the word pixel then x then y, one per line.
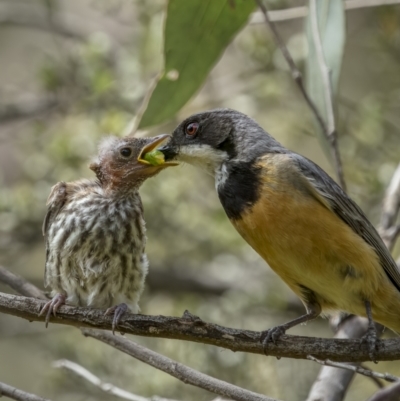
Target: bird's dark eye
pixel 191 129
pixel 125 152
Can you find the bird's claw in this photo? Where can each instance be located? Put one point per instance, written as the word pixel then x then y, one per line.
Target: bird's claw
pixel 117 311
pixel 52 306
pixel 271 335
pixel 370 338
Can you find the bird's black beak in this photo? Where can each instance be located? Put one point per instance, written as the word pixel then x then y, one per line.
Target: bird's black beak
pixel 169 150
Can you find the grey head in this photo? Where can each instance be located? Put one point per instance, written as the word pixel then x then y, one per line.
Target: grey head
pixel 212 138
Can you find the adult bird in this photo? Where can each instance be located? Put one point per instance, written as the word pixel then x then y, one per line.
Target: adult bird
pixel 296 217
pixel 95 231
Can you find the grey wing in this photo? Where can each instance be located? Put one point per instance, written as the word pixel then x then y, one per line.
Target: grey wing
pixel 55 202
pixel 349 212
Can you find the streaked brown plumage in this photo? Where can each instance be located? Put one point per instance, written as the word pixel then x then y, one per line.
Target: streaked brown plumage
pixel 95 232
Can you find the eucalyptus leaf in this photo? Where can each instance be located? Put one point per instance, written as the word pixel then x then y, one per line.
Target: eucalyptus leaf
pixel 196 34
pixel 332 28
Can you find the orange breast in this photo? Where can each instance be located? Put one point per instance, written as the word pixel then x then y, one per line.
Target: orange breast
pixel 307 244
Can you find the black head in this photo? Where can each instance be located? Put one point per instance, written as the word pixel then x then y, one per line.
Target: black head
pixel 213 137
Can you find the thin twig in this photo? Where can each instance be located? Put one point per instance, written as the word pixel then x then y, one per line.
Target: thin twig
pixel 357 369
pixel 107 387
pixel 19 284
pixel 302 11
pixel 297 77
pixel 391 393
pixel 331 384
pixel 175 369
pixel 378 382
pixel 389 231
pixel 19 395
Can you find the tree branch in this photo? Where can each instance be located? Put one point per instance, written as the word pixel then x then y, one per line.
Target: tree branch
pixel 192 328
pixel 19 395
pixel 19 284
pixel 176 369
pixel 332 383
pixel 106 387
pixel 356 369
pixel 329 134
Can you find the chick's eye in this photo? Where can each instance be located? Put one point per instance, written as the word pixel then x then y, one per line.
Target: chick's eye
pixel 191 129
pixel 125 152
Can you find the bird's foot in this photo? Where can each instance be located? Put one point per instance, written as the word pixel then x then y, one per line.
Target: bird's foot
pixel 117 311
pixel 370 338
pixel 271 335
pixel 52 306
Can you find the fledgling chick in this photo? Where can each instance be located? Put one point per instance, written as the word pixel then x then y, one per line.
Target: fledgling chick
pixel 95 231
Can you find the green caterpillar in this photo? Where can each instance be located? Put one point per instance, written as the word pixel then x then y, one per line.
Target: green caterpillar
pixel 155 157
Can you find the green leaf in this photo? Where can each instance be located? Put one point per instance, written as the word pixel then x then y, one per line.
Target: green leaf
pixel 332 28
pixel 196 34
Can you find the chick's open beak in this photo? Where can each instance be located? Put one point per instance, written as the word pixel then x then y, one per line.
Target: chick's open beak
pixel 149 155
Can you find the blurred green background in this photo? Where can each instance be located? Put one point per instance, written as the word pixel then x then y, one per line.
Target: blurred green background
pixel 74 71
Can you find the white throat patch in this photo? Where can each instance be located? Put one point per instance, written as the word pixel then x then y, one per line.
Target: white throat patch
pixel 204 157
pixel 221 175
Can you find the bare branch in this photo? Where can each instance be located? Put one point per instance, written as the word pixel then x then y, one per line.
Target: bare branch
pixel 176 369
pixel 331 383
pixel 106 387
pixel 390 210
pixel 301 12
pixel 330 135
pixel 391 393
pixel 19 395
pixel 191 328
pixel 356 369
pixel 19 284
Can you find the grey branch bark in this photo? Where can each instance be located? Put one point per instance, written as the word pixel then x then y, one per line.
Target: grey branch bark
pixel 19 284
pixel 176 369
pixel 330 135
pixel 332 383
pixel 97 382
pixel 192 328
pixel 19 395
pixel 357 369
